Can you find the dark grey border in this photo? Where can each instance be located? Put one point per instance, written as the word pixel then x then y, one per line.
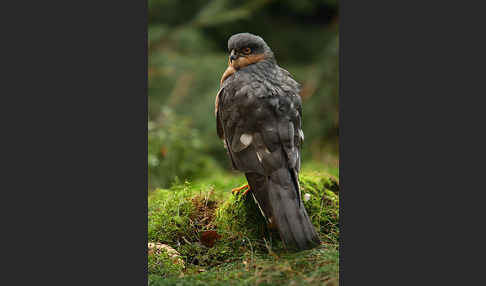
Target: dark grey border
pixel 77 135
pixel 409 112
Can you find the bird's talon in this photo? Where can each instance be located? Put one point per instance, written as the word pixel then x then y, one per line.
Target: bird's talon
pixel 236 190
pixel 247 190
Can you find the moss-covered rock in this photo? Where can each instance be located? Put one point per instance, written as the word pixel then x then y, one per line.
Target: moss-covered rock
pixel 163 260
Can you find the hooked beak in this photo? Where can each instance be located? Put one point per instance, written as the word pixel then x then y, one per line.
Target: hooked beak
pixel 233 56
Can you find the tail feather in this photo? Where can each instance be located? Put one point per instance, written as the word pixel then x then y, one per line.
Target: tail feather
pixel 277 196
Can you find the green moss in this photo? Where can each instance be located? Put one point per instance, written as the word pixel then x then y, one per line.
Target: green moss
pixel 160 264
pixel 177 217
pixel 319 266
pixel 240 217
pixel 168 215
pixel 198 255
pixel 323 205
pixel 242 227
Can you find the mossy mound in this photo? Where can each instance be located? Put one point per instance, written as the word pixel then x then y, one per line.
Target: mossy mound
pixel 240 219
pixel 323 203
pixel 169 212
pixel 178 216
pixel 184 216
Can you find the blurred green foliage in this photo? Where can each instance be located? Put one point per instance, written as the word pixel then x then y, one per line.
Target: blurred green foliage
pixel 176 150
pixel 188 54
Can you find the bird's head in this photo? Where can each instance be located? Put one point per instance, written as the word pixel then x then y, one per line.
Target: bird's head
pixel 246 49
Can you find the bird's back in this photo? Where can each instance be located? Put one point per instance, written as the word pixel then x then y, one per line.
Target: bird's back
pixel 263 101
pixel 259 116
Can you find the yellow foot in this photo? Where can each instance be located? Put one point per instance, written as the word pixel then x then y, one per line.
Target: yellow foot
pixel 236 190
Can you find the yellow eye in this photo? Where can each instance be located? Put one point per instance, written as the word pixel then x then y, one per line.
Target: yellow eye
pixel 246 50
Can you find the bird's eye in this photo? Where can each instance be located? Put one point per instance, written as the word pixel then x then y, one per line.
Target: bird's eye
pixel 246 50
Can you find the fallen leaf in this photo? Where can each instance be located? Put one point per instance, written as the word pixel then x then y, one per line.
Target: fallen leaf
pixel 209 237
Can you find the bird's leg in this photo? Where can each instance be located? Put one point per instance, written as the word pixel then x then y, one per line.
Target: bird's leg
pixel 236 190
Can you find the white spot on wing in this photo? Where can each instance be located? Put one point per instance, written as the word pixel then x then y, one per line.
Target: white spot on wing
pixel 246 139
pixel 301 133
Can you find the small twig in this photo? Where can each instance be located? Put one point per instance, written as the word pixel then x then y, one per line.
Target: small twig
pixel 251 249
pixel 269 248
pixel 206 198
pixel 186 240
